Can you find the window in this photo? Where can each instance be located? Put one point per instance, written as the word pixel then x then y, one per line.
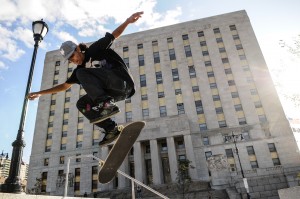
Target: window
pixel 94 170
pixel 254 164
pixel 219 40
pixel 216 30
pixel 52 113
pixel 164 146
pixel 57 63
pixel 234 94
pixel 205 141
pixel 125 49
pixel 213 85
pixel 46 161
pixel 229 153
pixel 126 61
pixel 79 131
pixel 175 74
pixel 253 91
pixel 50 124
pixel 141 60
pixel 216 97
pixel 144 97
pixel 159 79
pixel 65 122
pixel 210 74
pixel 250 150
pixel 235 37
pixel 70 70
pixel 170 40
pixel 201 34
pixel 242 57
pixel 64 134
pixel 140 46
pixel 47 148
pixel 62 160
pixel 55 82
pixel 219 110
pixel 76 186
pixel 192 71
pixel 195 88
pixel 178 91
pixel 188 52
pixel 272 147
pixel 222 124
pixel 63 147
pixel 79 144
pixel 180 108
pixel 262 118
pixel 203 43
pixel 49 136
pixel 145 113
pixel 232 27
pixel 156 57
pixel 199 107
pixel 242 121
pixel 238 107
pixel 154 43
pixel 203 127
pixel 185 37
pixel 228 71
pixel 56 72
pixel 181 157
pixel 78 159
pixel 80 119
pixel 147 148
pixel 239 47
pixel 225 60
pixel 207 63
pixel 205 53
pixel 258 104
pixel 77 172
pixel 222 50
pixel 66 110
pixel 231 82
pixel 163 111
pixel 53 102
pixel 44 178
pixel 143 80
pixel 172 54
pixel 67 99
pixel 276 161
pixel 180 144
pixel 246 68
pixel 128 100
pixel 161 94
pixel 208 154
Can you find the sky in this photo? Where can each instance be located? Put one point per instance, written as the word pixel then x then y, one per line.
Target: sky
pixel 88 20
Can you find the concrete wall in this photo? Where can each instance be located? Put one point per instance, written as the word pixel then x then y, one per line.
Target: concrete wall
pixel 24 196
pixel 289 193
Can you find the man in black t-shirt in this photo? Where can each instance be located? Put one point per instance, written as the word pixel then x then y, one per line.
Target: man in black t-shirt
pixel 103 75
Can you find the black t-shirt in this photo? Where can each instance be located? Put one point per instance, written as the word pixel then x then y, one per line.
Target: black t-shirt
pixel 100 52
pixel 91 55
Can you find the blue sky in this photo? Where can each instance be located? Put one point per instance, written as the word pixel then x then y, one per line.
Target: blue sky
pixel 87 20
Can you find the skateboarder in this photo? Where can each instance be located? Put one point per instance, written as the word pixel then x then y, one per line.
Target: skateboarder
pixel 103 75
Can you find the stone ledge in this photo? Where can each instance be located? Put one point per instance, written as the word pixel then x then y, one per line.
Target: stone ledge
pixel 289 193
pixel 25 196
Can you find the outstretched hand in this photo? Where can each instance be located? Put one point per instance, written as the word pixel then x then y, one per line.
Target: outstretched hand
pixel 32 96
pixel 134 17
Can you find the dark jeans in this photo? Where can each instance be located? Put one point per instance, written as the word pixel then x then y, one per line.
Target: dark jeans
pixel 100 84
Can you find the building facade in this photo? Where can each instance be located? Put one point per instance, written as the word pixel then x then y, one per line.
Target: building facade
pixel 204 90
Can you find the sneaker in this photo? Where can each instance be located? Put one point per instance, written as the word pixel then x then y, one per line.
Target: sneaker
pixel 105 110
pixel 111 135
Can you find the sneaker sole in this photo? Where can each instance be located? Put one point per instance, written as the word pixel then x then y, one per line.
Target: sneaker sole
pixel 108 141
pixel 104 118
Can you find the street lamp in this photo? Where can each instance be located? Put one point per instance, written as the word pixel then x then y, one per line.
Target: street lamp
pixel 234 138
pixel 13 183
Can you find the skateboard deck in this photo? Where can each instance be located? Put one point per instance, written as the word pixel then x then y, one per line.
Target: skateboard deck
pixel 119 151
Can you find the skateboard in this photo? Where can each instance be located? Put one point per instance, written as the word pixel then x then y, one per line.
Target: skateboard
pixel 119 151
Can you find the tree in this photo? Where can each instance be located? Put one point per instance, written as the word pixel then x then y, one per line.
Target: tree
pixel 183 176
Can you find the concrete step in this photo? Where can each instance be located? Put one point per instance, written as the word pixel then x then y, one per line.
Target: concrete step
pixel 25 196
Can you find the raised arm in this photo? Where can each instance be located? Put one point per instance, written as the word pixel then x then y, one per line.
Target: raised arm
pixel 133 18
pixel 55 89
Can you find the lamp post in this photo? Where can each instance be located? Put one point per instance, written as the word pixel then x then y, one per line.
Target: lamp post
pixel 234 137
pixel 12 183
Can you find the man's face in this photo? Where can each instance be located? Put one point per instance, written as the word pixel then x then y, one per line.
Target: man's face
pixel 77 57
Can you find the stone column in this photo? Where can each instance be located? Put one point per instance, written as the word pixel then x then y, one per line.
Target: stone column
pixel 156 163
pixel 172 158
pixel 104 153
pixel 122 180
pixel 138 162
pixel 190 156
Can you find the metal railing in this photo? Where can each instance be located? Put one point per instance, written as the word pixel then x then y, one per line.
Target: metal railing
pixel 120 172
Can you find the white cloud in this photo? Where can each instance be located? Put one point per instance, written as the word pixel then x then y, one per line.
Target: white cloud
pixel 64 36
pixel 3 66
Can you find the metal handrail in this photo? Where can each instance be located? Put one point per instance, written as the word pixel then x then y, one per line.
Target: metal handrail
pixel 120 172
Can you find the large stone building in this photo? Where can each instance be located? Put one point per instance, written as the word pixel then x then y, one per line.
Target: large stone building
pixel 204 89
